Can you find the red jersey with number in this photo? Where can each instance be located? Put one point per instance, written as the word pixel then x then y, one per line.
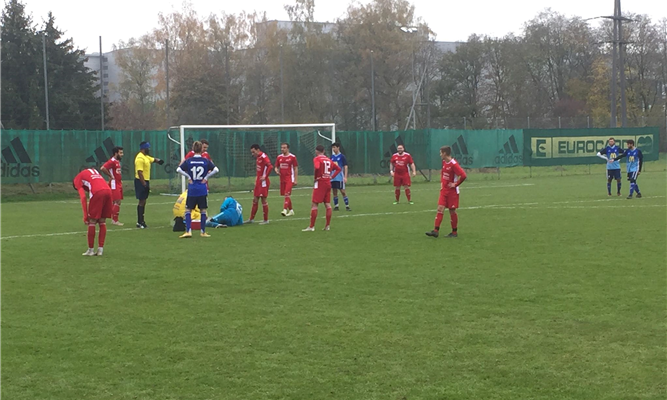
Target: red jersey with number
pixel 323 170
pixel 263 165
pixel 91 181
pixel 286 165
pixel 451 173
pixel 204 154
pixel 113 166
pixel 401 163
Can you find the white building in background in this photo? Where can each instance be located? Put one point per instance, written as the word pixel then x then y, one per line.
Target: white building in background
pixel 111 73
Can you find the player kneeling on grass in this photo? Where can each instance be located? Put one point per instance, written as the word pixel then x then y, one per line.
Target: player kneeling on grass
pixel 197 169
pixel 231 214
pixel 322 189
pixel 90 181
pixel 451 177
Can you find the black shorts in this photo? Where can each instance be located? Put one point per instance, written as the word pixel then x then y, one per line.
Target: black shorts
pixel 196 201
pixel 140 191
pixel 340 185
pixel 614 174
pixel 632 176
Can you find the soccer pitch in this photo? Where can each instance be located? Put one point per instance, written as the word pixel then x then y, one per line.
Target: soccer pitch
pixel 551 291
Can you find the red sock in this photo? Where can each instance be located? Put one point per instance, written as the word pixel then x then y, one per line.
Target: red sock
pixel 115 210
pixel 289 200
pixel 254 211
pixel 265 208
pixel 455 221
pixel 91 235
pixel 407 194
pixel 438 221
pixel 397 191
pixel 329 212
pixel 103 234
pixel 286 204
pixel 313 217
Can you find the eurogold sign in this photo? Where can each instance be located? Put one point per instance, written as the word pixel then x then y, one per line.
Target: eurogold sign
pixel 580 146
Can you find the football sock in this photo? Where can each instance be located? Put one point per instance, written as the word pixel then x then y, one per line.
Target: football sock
pixel 286 203
pixel 407 194
pixel 140 213
pixel 103 235
pixel 115 210
pixel 313 216
pixel 438 220
pixel 289 205
pixel 335 201
pixel 265 209
pixel 91 235
pixel 188 221
pixel 397 192
pixel 203 222
pixel 632 188
pixel 329 211
pixel 637 188
pixel 347 202
pixel 609 188
pixel 253 212
pixel 455 221
pixel 618 187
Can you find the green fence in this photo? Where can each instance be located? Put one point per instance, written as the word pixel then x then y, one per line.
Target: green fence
pixel 57 156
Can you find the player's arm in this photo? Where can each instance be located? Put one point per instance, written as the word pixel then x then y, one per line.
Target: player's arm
pixel 640 156
pixel 344 168
pixel 316 168
pixel 211 172
pixel 140 172
pixel 602 156
pixel 296 172
pixel 620 155
pixel 461 174
pixel 413 166
pixel 337 170
pixel 391 166
pixel 105 169
pixel 181 170
pixel 78 185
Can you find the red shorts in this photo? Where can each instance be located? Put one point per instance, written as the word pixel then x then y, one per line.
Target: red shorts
pixel 449 199
pixel 322 194
pixel 286 186
pixel 100 205
pixel 116 190
pixel 401 180
pixel 262 188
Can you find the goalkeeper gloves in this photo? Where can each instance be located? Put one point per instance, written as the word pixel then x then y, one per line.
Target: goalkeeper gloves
pixel 160 161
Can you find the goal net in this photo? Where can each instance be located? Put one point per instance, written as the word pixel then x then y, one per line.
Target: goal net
pixel 229 148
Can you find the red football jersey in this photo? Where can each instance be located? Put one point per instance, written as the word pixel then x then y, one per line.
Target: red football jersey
pixel 401 163
pixel 286 165
pixel 192 154
pixel 91 181
pixel 451 173
pixel 263 165
pixel 113 166
pixel 323 168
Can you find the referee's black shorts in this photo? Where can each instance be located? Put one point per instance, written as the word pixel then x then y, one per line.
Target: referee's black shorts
pixel 140 191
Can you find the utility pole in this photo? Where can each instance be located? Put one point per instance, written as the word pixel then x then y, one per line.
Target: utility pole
pixel 282 93
pixel 621 63
pixel 227 78
pixel 166 71
pixel 618 64
pixel 374 120
pixel 101 84
pixel 46 83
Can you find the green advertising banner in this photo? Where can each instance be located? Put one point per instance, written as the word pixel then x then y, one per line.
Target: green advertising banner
pixel 580 146
pixel 479 149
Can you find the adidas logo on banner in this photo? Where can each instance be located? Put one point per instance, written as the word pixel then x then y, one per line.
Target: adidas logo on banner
pixel 460 151
pixel 14 160
pixel 510 153
pixel 99 152
pixel 392 150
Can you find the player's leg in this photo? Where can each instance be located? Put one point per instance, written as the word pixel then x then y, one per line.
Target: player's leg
pixel 438 219
pixel 265 210
pixel 635 177
pixel 334 186
pixel 454 219
pixel 102 237
pixel 106 212
pixel 345 199
pixel 313 215
pixel 408 194
pixel 617 176
pixel 397 193
pixel 253 211
pixel 609 179
pixel 91 237
pixel 327 204
pixel 202 201
pixel 188 223
pixel 115 213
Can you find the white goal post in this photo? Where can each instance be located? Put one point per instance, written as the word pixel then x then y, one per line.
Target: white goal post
pixel 182 139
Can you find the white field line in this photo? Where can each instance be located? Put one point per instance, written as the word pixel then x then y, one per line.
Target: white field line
pixel 553 205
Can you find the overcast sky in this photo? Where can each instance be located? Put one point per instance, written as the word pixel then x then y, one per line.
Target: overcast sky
pixel 117 20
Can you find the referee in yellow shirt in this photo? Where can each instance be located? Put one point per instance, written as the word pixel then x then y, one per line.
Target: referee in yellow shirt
pixel 142 178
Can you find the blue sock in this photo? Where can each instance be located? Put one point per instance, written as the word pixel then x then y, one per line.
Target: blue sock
pixel 335 201
pixel 609 188
pixel 618 187
pixel 347 202
pixel 188 221
pixel 632 188
pixel 637 188
pixel 203 222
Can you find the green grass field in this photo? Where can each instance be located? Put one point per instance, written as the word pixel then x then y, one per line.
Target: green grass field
pixel 552 291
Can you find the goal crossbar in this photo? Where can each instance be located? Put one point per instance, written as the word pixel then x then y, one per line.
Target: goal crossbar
pixel 182 129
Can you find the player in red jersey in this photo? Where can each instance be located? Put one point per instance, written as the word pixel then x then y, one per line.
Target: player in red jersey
pixel 323 167
pixel 451 178
pixel 287 168
pixel 111 169
pixel 204 153
pixel 264 167
pixel 399 167
pixel 90 181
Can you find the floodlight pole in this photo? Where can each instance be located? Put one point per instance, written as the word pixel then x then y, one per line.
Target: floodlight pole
pixel 374 119
pixel 46 83
pixel 101 84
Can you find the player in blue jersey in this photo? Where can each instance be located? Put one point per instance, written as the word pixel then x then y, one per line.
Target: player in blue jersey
pixel 338 182
pixel 231 214
pixel 197 169
pixel 610 154
pixel 635 162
